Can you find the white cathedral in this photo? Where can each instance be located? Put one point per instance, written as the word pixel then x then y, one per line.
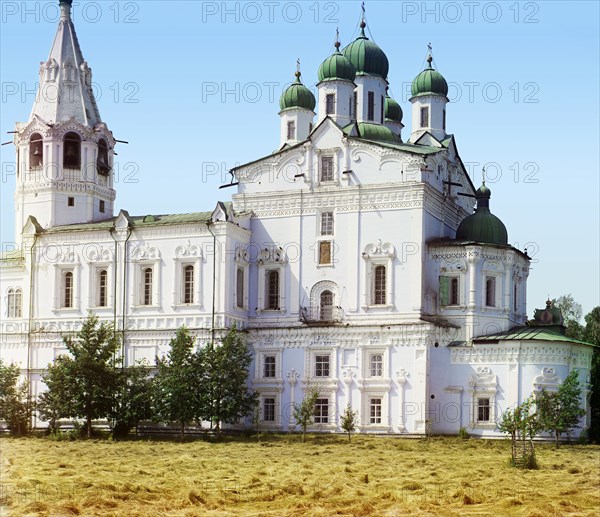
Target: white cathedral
pixel 351 257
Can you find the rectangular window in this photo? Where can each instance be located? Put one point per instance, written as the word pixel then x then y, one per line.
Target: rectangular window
pixel 322 366
pixel 272 288
pixel 239 288
pixel 269 409
pixel 67 291
pixel 330 104
pixel 147 292
pixel 269 366
pixel 102 288
pixel 325 252
pixel 483 409
pixel 371 106
pixel 291 130
pixel 102 208
pixel 490 291
pixel 376 365
pixel 327 168
pixel 375 411
pixel 327 223
pixel 425 116
pixel 71 201
pixel 188 284
pixel 322 411
pixel 379 286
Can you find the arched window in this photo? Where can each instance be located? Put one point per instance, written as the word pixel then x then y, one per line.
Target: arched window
pixel 326 306
pixel 272 291
pixel 103 288
pixel 72 151
pixel 67 290
pixel 147 298
pixel 379 291
pixel 188 284
pixel 14 303
pixel 36 151
pixel 102 164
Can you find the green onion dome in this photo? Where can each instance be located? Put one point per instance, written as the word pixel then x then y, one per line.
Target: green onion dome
pixel 366 56
pixel 482 226
pixel 377 132
pixel 429 82
pixel 393 111
pixel 297 96
pixel 337 67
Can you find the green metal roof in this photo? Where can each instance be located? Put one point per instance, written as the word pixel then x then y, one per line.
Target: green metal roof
pixel 429 82
pixel 524 333
pixel 366 56
pixel 337 67
pixel 297 96
pixel 482 226
pixel 393 111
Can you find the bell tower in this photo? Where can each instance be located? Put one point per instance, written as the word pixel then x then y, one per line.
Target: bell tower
pixel 64 151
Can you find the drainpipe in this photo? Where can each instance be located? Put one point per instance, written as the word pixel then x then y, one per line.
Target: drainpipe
pixel 125 256
pixel 30 323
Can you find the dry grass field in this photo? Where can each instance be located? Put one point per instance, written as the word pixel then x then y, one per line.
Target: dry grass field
pixel 280 476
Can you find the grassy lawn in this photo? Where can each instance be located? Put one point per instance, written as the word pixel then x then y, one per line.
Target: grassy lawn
pixel 282 476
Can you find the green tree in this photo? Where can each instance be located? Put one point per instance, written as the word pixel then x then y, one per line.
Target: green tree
pixel 15 405
pixel 226 365
pixel 522 424
pixel 304 412
pixel 560 411
pixel 175 392
pixel 134 400
pixel 349 419
pixel 571 312
pixel 83 384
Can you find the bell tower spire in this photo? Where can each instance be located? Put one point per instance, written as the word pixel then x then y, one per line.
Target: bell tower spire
pixel 64 151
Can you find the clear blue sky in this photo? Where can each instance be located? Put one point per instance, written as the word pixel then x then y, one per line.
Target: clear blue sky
pixel 194 87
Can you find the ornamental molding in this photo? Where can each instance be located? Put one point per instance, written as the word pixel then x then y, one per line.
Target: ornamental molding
pixel 379 250
pixel 188 250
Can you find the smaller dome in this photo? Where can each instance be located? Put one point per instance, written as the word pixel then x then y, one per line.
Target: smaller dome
pixel 377 132
pixel 337 67
pixel 297 96
pixel 393 111
pixel 482 226
pixel 429 82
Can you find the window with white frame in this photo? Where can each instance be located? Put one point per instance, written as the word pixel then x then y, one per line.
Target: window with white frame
pixel 272 290
pixel 330 104
pixel 269 366
pixel 449 290
pixel 14 303
pixel 326 223
pixel 490 291
pixel 322 364
pixel 102 291
pixel 147 285
pixel 188 284
pixel 321 415
pixel 268 409
pixel 375 406
pixel 291 130
pixel 326 168
pixel 376 365
pixel 483 409
pixel 67 290
pixel 425 116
